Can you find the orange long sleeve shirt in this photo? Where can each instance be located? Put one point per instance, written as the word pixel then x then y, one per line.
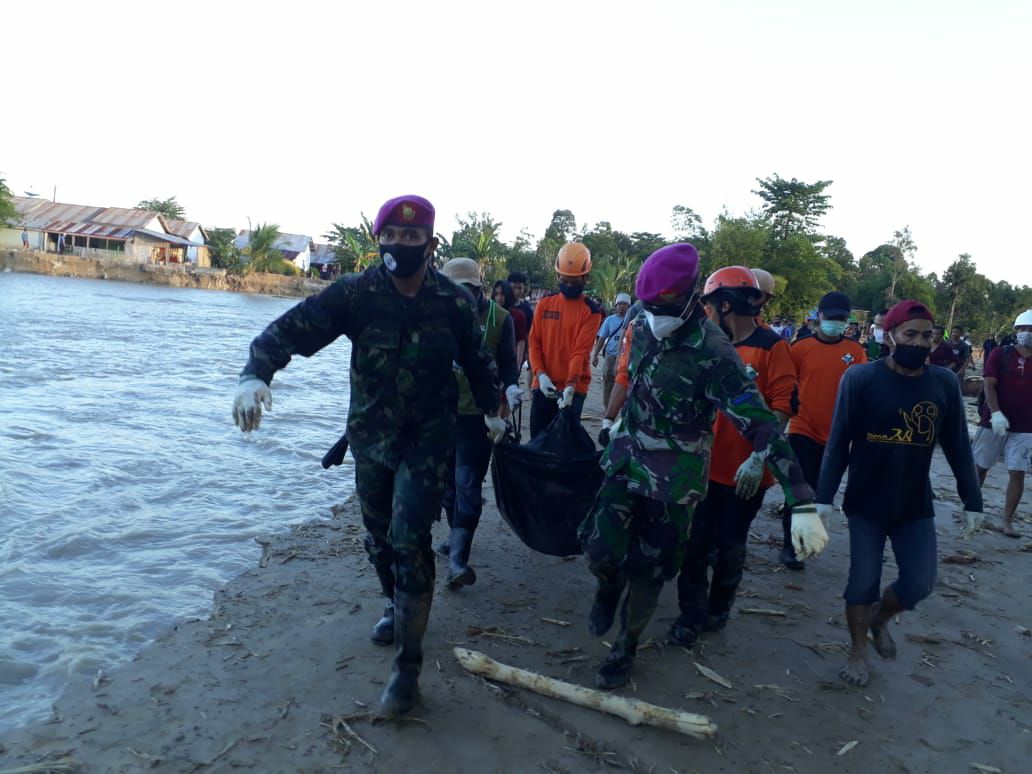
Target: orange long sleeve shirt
pixel 819 368
pixel 768 357
pixel 561 340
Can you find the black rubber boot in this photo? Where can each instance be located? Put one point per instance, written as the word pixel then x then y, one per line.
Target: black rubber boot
pixel 459 572
pixel 411 613
pixel 383 630
pixel 603 610
pixel 727 577
pixel 638 607
pixel 685 631
pixel 788 555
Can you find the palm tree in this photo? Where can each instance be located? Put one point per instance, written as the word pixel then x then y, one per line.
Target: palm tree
pixel 261 249
pixel 611 275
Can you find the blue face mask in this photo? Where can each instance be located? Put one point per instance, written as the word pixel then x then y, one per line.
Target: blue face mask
pixel 833 328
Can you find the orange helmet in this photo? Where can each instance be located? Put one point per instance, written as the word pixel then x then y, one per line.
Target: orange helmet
pixel 574 260
pixel 731 278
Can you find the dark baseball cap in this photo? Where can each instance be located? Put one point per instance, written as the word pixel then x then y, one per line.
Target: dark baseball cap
pixel 834 304
pixel 905 311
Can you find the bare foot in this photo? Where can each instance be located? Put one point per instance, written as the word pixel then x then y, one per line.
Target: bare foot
pixel 1009 531
pixel 884 645
pixel 856 671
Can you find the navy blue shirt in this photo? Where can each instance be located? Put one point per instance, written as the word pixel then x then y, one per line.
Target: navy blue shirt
pixel 885 429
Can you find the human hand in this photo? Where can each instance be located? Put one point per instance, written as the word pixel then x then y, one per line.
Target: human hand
pixel 513 396
pixel 808 534
pixel 749 475
pixel 567 397
pixel 999 423
pixel 973 521
pixel 603 436
pixel 251 394
pixel 547 386
pixel 496 428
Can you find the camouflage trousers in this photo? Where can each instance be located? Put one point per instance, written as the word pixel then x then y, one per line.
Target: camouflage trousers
pixel 398 509
pixel 636 536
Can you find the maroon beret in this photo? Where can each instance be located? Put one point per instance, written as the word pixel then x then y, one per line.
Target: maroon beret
pixel 905 311
pixel 405 211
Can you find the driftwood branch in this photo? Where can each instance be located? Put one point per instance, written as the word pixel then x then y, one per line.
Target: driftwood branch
pixel 633 711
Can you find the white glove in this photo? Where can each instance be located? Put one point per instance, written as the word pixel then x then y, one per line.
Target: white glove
pixel 973 521
pixel 251 394
pixel 749 475
pixel 567 397
pixel 808 534
pixel 513 396
pixel 547 386
pixel 496 428
pixel 1000 423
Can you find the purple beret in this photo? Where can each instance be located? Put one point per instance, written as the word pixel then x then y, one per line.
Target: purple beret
pixel 668 273
pixel 405 211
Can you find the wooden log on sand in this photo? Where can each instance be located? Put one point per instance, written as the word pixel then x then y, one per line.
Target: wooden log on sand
pixel 633 711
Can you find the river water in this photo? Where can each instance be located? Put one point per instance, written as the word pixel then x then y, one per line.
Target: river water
pixel 127 495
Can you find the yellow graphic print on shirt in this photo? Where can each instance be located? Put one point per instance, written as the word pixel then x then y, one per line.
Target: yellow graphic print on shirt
pixel 918 427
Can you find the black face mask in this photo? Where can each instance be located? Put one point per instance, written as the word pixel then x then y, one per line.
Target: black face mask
pixel 910 355
pixel 570 291
pixel 403 260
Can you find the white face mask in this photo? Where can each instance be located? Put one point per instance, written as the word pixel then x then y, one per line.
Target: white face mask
pixel 1024 338
pixel 879 335
pixel 663 325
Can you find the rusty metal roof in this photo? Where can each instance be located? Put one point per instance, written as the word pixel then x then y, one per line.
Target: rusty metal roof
pixel 71 227
pixel 324 254
pixel 36 213
pixel 288 243
pixel 183 228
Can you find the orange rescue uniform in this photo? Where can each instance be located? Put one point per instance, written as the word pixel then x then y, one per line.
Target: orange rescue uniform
pixel 819 368
pixel 768 358
pixel 561 340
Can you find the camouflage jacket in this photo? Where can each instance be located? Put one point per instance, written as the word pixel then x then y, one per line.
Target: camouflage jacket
pixel 403 388
pixel 676 385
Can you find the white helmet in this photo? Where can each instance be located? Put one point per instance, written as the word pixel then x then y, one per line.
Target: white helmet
pixel 1025 318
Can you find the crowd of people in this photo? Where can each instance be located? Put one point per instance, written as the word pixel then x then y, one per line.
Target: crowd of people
pixel 706 406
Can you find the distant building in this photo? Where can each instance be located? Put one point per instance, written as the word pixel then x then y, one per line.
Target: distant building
pixel 324 258
pixel 296 248
pixel 188 230
pixel 112 233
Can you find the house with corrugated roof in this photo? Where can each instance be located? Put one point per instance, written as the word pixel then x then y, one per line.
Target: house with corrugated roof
pixel 107 233
pixel 296 248
pixel 187 229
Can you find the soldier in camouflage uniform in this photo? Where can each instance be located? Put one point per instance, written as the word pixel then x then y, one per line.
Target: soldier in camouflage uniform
pixel 678 369
pixel 407 324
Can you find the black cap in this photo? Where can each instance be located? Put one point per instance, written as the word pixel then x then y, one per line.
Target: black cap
pixel 834 303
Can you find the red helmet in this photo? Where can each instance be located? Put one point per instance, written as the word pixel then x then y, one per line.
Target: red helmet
pixel 732 278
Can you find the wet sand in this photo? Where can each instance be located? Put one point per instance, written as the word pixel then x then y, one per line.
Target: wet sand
pixel 282 676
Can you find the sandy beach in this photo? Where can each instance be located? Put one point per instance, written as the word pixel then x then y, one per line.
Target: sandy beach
pixel 282 676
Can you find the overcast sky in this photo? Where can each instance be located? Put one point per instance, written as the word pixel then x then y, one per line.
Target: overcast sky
pixel 307 113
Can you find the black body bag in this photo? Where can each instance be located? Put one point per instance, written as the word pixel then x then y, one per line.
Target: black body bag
pixel 546 488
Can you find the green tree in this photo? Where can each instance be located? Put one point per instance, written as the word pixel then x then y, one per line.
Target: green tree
pixel 168 208
pixel 8 214
pixel 354 246
pixel 477 237
pixel 522 256
pixel 224 254
pixel 562 228
pixel 611 275
pixel 735 241
pixel 958 281
pixel 792 206
pixel 263 255
pixel 687 225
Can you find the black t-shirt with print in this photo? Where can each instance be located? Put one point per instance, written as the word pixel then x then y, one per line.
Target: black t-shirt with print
pixel 885 430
